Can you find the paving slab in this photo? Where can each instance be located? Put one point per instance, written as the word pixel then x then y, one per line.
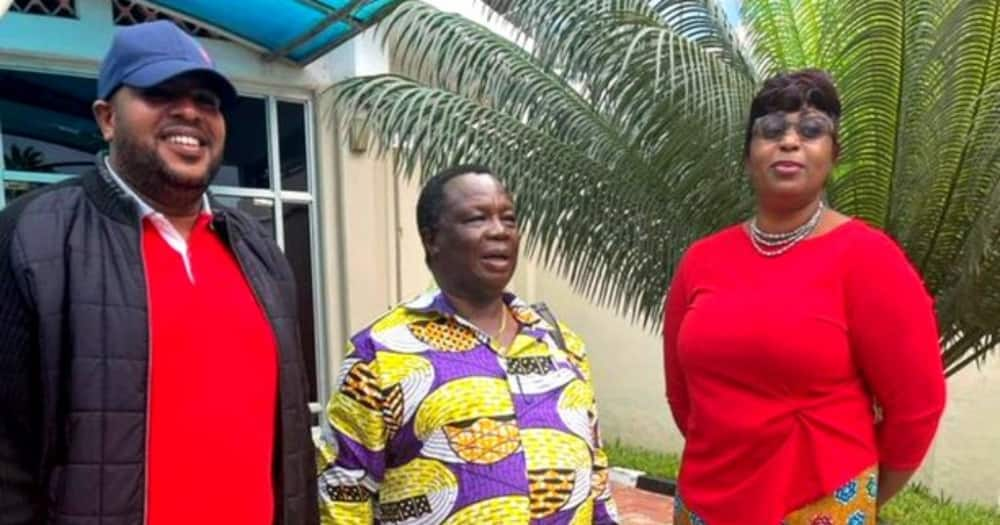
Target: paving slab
pixel 639 507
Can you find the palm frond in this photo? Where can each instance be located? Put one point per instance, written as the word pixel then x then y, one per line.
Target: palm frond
pixel 619 126
pixel 557 30
pixel 971 59
pixel 626 58
pixel 459 57
pixel 776 35
pixel 706 23
pixel 559 188
pixel 447 51
pixel 969 298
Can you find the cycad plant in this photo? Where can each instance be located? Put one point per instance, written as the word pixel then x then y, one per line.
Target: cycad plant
pixel 24 159
pixel 619 125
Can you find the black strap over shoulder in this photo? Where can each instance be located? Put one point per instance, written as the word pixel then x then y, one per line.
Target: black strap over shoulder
pixel 543 311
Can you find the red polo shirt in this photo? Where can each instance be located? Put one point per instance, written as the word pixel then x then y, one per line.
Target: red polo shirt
pixel 213 386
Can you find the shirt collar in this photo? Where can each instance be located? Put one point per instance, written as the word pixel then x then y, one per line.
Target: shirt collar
pixel 145 209
pixel 434 303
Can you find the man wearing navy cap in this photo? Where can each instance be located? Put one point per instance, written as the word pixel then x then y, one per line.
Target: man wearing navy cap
pixel 150 367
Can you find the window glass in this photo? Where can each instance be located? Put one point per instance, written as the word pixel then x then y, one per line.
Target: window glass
pixel 259 208
pixel 46 122
pixel 245 163
pixel 292 138
pixel 299 253
pixel 13 189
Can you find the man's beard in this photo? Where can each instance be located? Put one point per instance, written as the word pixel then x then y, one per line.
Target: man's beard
pixel 144 169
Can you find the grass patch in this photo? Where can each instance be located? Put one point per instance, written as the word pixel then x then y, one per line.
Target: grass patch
pixel 913 506
pixel 916 504
pixel 659 464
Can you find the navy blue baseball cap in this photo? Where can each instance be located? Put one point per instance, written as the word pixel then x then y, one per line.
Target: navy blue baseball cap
pixel 144 55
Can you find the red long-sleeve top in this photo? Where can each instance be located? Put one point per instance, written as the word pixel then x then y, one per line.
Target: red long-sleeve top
pixel 773 364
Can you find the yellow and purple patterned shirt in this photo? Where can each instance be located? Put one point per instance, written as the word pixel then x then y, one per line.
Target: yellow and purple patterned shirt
pixel 434 422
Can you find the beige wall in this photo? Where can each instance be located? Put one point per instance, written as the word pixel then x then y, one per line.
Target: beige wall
pixel 373 257
pixel 627 363
pixel 965 462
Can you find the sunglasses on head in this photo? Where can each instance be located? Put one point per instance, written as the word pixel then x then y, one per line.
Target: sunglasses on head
pixel 809 126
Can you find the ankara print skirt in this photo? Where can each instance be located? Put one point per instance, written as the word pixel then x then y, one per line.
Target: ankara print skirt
pixel 852 504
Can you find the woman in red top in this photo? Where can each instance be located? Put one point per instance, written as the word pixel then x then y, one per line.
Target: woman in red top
pixel 781 333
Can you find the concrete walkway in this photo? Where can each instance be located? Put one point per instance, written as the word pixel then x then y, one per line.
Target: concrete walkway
pixel 639 507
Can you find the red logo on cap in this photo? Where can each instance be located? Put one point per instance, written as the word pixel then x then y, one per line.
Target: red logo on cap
pixel 204 54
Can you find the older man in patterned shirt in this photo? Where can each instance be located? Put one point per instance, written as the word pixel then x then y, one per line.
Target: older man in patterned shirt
pixel 465 405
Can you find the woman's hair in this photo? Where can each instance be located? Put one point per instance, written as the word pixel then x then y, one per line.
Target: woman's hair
pixel 790 92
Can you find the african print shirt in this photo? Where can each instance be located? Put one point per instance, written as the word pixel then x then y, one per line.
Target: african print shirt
pixel 434 422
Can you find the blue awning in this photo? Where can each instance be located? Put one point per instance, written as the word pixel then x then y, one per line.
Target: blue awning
pixel 299 30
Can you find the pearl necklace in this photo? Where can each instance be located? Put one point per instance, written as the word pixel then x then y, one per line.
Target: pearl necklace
pixel 775 244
